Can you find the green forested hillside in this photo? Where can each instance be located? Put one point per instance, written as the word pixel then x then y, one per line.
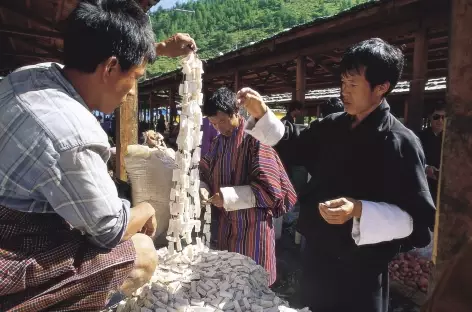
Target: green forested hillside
pixel 219 26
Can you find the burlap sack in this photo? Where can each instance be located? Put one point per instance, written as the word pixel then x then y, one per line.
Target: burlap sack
pixel 150 174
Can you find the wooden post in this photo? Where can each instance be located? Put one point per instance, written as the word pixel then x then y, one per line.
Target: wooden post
pixel 405 112
pixel 151 109
pixel 454 218
pixel 237 81
pixel 417 84
pixel 173 107
pixel 237 86
pixel 300 88
pixel 126 130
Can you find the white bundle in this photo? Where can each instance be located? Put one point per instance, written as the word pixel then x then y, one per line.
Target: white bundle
pixel 184 196
pixel 200 280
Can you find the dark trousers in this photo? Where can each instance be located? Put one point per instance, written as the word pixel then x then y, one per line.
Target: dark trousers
pixel 215 223
pixel 433 189
pixel 332 284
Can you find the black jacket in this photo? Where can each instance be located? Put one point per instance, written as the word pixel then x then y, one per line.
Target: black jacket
pixel 432 145
pixel 380 160
pixel 285 144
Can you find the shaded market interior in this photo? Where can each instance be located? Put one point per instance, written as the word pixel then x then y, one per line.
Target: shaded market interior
pixel 301 63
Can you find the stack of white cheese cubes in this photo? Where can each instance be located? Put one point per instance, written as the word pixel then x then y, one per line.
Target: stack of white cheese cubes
pixel 195 278
pixel 200 280
pixel 185 207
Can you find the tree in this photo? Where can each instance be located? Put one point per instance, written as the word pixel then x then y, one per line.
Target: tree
pixel 218 25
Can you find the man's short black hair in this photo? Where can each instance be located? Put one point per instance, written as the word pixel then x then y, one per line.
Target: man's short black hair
pixel 294 105
pixel 438 106
pixel 223 100
pixel 381 61
pixel 99 29
pixel 331 106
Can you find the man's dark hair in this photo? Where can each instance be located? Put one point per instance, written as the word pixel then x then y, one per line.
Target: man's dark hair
pixel 438 106
pixel 381 61
pixel 294 105
pixel 99 29
pixel 331 106
pixel 223 100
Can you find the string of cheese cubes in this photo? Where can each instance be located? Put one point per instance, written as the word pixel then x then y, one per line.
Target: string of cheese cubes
pixel 185 207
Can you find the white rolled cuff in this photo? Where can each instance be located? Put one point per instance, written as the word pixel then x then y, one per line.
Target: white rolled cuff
pixel 238 197
pixel 381 222
pixel 269 129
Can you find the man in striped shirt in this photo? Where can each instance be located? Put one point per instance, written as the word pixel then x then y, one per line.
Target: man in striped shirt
pixel 247 183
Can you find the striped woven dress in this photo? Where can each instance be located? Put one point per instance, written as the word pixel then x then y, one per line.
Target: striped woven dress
pixel 243 160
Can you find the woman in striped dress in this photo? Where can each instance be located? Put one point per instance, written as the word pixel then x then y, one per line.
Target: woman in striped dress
pixel 246 181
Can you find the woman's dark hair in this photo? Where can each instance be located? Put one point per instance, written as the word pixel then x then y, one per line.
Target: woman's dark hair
pixel 223 100
pixel 380 61
pixel 331 106
pixel 99 29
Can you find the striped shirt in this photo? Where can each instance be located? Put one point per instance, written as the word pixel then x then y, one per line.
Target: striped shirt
pixel 53 155
pixel 241 160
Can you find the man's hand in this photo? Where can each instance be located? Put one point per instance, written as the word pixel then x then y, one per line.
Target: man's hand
pixel 341 210
pixel 252 101
pixel 204 195
pixel 432 172
pixel 177 45
pixel 217 200
pixel 142 220
pixel 150 227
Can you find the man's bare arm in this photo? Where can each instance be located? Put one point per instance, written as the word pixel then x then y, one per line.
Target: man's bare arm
pixel 139 216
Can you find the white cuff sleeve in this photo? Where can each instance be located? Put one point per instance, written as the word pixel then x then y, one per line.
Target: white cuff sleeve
pixel 268 130
pixel 238 197
pixel 381 222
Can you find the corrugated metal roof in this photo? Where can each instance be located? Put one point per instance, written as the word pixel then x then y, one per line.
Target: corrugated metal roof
pixel 402 87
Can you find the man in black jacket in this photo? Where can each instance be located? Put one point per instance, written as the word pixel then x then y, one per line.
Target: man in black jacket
pixel 330 106
pixel 370 197
pixel 297 174
pixel 283 148
pixel 431 139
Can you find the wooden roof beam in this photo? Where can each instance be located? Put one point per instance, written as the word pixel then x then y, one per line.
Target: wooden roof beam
pixel 59 10
pixel 311 71
pixel 3 21
pixel 279 72
pixel 414 115
pixel 35 44
pixel 282 78
pixel 325 44
pixel 324 67
pixel 336 59
pixel 327 69
pixel 29 55
pixel 16 31
pixel 18 9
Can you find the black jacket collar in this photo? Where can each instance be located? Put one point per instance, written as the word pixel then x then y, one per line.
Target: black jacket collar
pixel 377 119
